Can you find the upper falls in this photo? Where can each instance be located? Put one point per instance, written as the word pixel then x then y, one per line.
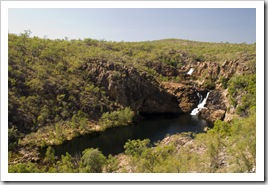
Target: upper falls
pixel 190 71
pixel 200 105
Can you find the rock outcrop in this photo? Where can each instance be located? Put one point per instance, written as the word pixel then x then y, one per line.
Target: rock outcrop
pixel 211 74
pixel 216 72
pixel 215 107
pixel 186 93
pixel 143 93
pixel 125 85
pixel 163 69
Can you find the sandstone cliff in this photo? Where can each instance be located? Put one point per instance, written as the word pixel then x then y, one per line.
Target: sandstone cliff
pixel 144 94
pixel 214 76
pixel 125 85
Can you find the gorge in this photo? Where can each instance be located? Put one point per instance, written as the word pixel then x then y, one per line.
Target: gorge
pixel 69 97
pixel 155 124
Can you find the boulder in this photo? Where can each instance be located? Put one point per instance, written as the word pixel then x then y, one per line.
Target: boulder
pixel 212 115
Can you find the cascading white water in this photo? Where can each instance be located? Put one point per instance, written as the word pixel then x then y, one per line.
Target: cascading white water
pixel 200 97
pixel 200 105
pixel 190 71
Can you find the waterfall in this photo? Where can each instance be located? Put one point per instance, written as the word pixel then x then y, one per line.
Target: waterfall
pixel 190 71
pixel 200 97
pixel 200 105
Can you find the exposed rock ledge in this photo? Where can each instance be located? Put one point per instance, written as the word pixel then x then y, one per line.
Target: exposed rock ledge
pixel 140 91
pixel 128 87
pixel 215 107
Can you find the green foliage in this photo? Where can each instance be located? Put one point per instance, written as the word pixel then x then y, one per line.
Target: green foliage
pixel 49 86
pixel 117 118
pixel 59 133
pixel 213 152
pixel 227 147
pixel 242 91
pixel 47 81
pixel 92 161
pixel 210 84
pixel 176 79
pixel 242 146
pixel 116 75
pixel 136 147
pixel 142 157
pixel 161 159
pixel 79 120
pixel 199 58
pixel 147 159
pixel 24 168
pixel 163 78
pixel 112 164
pixel 224 82
pixel 221 127
pixel 65 165
pixel 50 155
pixel 13 137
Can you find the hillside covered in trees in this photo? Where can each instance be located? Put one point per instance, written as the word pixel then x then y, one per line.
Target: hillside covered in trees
pixel 62 89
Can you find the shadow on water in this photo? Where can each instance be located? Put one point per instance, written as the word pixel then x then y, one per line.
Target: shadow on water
pixel 112 140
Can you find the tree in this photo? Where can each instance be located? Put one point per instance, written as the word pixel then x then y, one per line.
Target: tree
pixel 136 147
pixel 66 165
pixel 24 168
pixel 13 136
pixel 92 161
pixel 112 164
pixel 50 155
pixel 117 118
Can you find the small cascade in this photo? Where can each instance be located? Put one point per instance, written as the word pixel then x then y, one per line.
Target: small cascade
pixel 190 71
pixel 200 105
pixel 200 98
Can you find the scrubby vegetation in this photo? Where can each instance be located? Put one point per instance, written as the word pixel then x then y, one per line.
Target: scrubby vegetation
pixel 116 118
pixel 52 99
pixel 242 90
pixel 225 148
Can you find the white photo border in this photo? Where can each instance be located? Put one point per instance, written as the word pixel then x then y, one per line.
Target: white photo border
pixel 258 176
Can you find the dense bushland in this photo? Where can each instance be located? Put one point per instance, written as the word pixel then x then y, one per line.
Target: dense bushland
pixel 52 99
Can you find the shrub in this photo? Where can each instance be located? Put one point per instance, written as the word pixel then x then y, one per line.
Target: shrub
pixel 92 161
pixel 50 155
pixel 112 164
pixel 210 84
pixel 242 91
pixel 23 168
pixel 116 75
pixel 221 127
pixel 136 147
pixel 13 137
pixel 117 118
pixel 66 165
pixel 224 82
pixel 242 146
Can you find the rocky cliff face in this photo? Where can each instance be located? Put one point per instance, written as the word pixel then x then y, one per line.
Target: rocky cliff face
pixel 207 76
pixel 216 107
pixel 140 91
pixel 163 69
pixel 186 93
pixel 205 71
pixel 125 85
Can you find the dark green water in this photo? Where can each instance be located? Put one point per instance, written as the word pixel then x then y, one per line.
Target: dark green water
pixel 112 140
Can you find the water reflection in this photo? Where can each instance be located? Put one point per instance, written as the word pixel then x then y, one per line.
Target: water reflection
pixel 112 140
